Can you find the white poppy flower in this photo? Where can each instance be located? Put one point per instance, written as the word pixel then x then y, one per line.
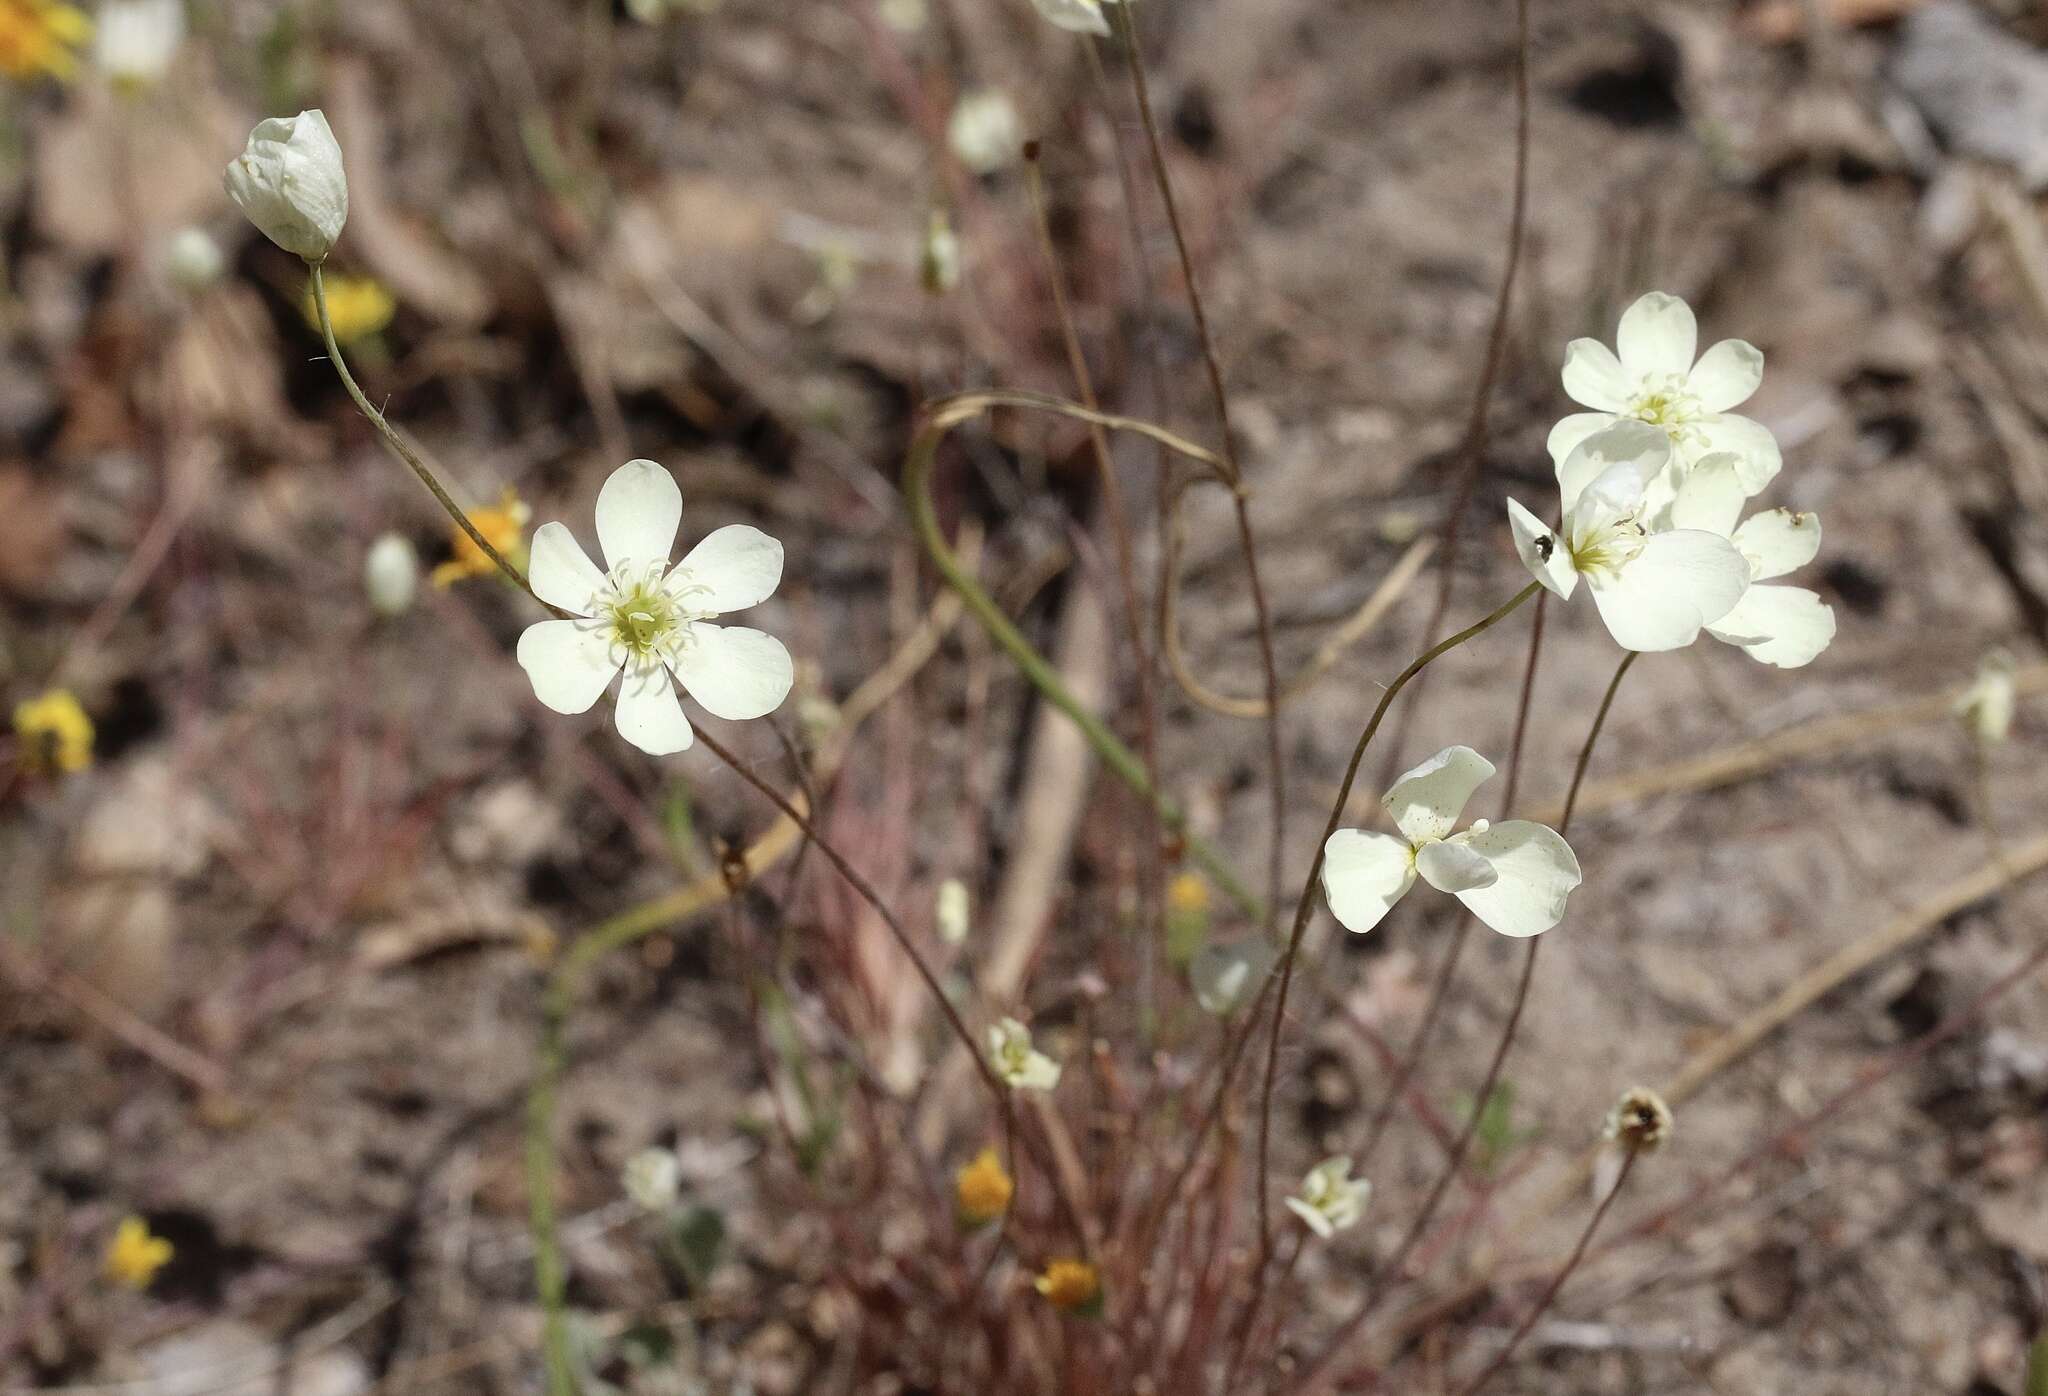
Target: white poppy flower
pixel 653 620
pixel 1076 16
pixel 1987 706
pixel 1514 875
pixel 289 182
pixel 134 41
pixel 985 132
pixel 1330 1198
pixel 1651 376
pixel 1655 588
pixel 1781 625
pixel 1017 1063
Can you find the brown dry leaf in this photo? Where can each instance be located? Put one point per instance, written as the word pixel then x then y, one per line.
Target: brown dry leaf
pixel 471 914
pixel 113 175
pixel 423 274
pixel 225 370
pixel 31 532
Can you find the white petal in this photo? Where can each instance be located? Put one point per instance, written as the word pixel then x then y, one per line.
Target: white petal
pixel 1710 496
pixel 1075 16
pixel 1593 377
pixel 1727 374
pixel 560 572
pixel 1426 800
pixel 1778 541
pixel 1535 872
pixel 1364 874
pixel 1449 866
pixel 1784 626
pixel 731 569
pixel 638 512
pixel 1637 449
pixel 1549 561
pixel 734 672
pixel 1576 428
pixel 1680 581
pixel 1314 1220
pixel 649 715
pixel 569 661
pixel 1657 335
pixel 1750 442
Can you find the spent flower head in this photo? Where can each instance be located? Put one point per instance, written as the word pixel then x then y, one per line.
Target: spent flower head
pixel 1651 376
pixel 41 38
pixel 1640 1121
pixel 1071 1286
pixel 1514 875
pixel 1330 1199
pixel 1017 1063
pixel 289 182
pixel 503 526
pixel 54 733
pixel 982 1189
pixel 1782 625
pixel 1987 706
pixel 1655 588
pixel 133 1255
pixel 135 40
pixel 651 618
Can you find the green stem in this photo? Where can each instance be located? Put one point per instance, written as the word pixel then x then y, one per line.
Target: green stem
pixel 404 451
pixel 1120 759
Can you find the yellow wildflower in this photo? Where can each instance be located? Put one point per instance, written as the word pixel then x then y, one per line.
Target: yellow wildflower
pixel 982 1190
pixel 1072 1287
pixel 505 529
pixel 41 37
pixel 55 733
pixel 357 307
pixel 134 1256
pixel 1188 894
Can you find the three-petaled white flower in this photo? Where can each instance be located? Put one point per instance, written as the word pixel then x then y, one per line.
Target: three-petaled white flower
pixel 1782 625
pixel 1017 1063
pixel 650 619
pixel 1653 378
pixel 1514 875
pixel 1330 1198
pixel 289 181
pixel 1076 16
pixel 1655 587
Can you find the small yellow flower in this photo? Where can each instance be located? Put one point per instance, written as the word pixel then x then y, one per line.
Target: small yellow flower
pixel 134 1256
pixel 55 733
pixel 504 527
pixel 41 38
pixel 357 307
pixel 982 1190
pixel 1188 894
pixel 1072 1287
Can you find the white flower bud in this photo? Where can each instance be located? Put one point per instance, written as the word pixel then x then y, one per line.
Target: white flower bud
pixel 952 911
pixel 1987 708
pixel 391 574
pixel 938 259
pixel 985 132
pixel 906 16
pixel 289 182
pixel 134 41
pixel 193 259
pixel 654 1179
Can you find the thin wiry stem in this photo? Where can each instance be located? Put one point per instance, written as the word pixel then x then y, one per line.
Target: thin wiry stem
pixel 1564 1273
pixel 1379 1281
pixel 1239 497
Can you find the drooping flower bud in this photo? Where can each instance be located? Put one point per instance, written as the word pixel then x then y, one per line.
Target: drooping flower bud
pixel 289 182
pixel 391 574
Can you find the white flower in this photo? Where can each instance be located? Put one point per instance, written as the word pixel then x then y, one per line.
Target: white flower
pixel 1017 1063
pixel 192 259
pixel 1781 625
pixel 1654 378
pixel 289 182
pixel 134 41
pixel 985 132
pixel 1655 587
pixel 905 16
pixel 1076 16
pixel 1514 875
pixel 1987 706
pixel 651 619
pixel 1330 1198
pixel 391 574
pixel 653 1178
pixel 951 911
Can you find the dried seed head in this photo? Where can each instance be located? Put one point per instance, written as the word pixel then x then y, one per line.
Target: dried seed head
pixel 1640 1121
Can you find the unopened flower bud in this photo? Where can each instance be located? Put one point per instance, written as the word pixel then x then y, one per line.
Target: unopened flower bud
pixel 1640 1121
pixel 193 259
pixel 391 574
pixel 289 182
